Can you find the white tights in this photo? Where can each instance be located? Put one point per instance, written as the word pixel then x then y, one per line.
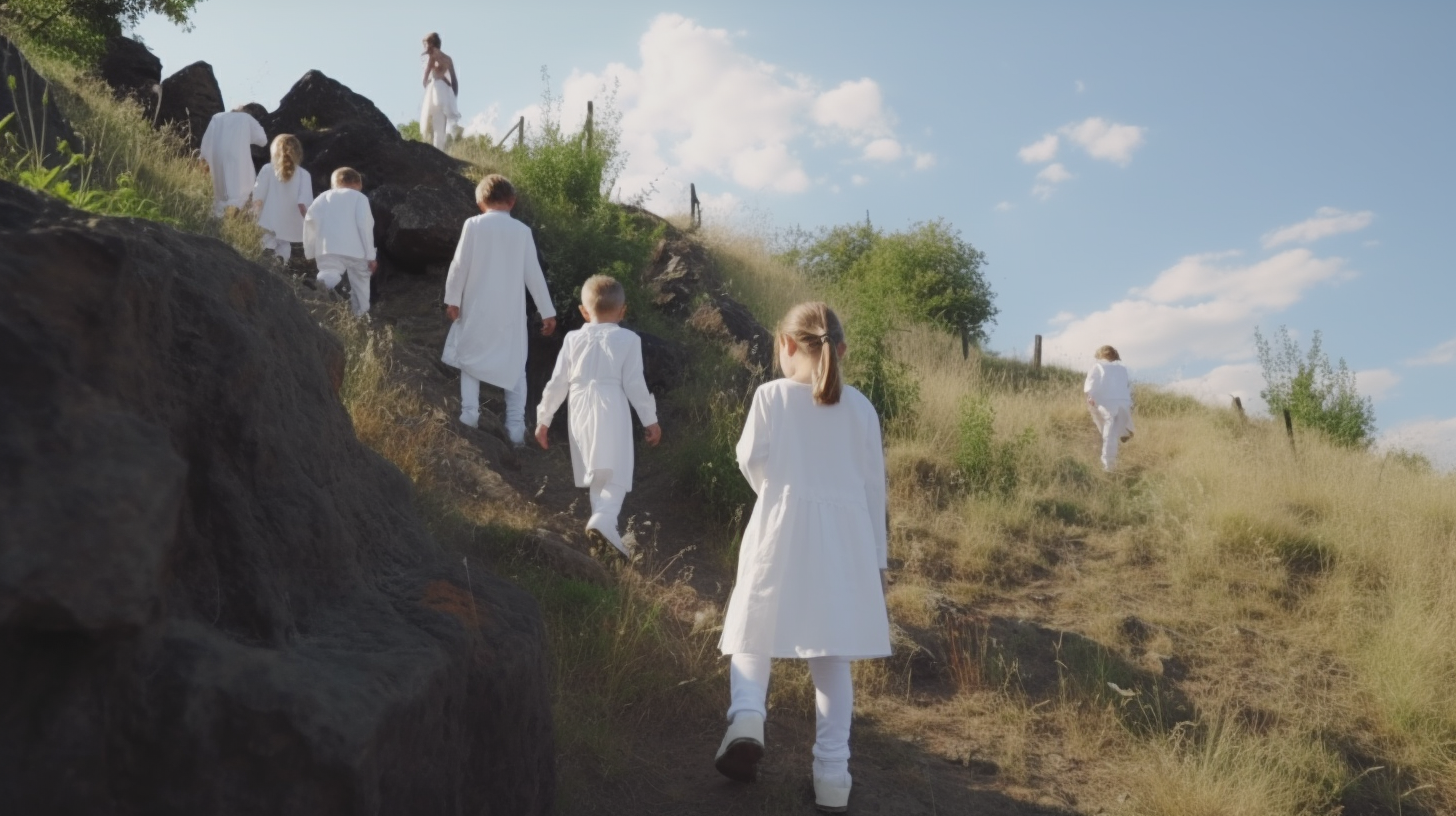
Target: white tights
pixel 833 704
pixel 515 406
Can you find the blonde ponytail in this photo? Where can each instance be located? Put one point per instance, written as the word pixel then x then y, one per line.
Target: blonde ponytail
pixel 287 155
pixel 817 330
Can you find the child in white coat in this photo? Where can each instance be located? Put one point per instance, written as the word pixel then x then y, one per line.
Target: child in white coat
pixel 338 231
pixel 1109 398
pixel 600 367
pixel 281 196
pixel 811 565
pixel 227 151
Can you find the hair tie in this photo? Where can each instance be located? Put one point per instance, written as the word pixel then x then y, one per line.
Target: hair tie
pixel 824 338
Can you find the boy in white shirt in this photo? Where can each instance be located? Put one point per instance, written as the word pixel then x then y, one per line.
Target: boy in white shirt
pixel 600 367
pixel 338 232
pixel 1109 398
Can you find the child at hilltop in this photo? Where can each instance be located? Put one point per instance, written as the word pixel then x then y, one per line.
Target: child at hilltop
pixel 227 152
pixel 485 295
pixel 338 231
pixel 281 196
pixel 1109 398
pixel 600 367
pixel 812 563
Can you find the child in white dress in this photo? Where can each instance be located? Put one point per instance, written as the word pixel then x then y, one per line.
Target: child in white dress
pixel 338 231
pixel 1109 398
pixel 811 566
pixel 600 367
pixel 281 196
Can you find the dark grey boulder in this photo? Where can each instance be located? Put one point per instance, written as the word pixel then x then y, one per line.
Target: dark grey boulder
pixel 132 71
pixel 190 98
pixel 38 123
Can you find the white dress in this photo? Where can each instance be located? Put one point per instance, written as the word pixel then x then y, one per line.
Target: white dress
pixel 809 566
pixel 439 112
pixel 495 263
pixel 280 200
pixel 600 366
pixel 226 149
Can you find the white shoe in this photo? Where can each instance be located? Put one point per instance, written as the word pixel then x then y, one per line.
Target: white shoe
pixel 742 748
pixel 470 421
pixel 603 533
pixel 831 794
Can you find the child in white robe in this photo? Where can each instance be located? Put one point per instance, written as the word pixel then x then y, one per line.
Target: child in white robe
pixel 226 148
pixel 338 232
pixel 811 567
pixel 1109 399
pixel 485 295
pixel 600 367
pixel 281 196
pixel 440 111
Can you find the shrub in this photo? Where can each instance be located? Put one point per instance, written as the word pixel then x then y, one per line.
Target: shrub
pixel 987 464
pixel 77 31
pixel 1316 394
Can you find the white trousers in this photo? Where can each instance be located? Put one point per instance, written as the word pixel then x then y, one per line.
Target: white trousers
pixel 606 500
pixel 515 406
pixel 280 247
pixel 332 269
pixel 1113 422
pixel 833 704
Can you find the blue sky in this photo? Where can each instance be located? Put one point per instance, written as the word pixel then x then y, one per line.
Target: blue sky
pixel 1159 176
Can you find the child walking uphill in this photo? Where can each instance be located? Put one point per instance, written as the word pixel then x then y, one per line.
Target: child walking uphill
pixel 1109 398
pixel 281 196
pixel 810 569
pixel 600 366
pixel 338 231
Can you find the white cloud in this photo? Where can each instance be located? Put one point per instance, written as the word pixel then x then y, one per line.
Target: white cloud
pixel 1047 180
pixel 1376 383
pixel 484 124
pixel 858 180
pixel 1004 206
pixel 1443 354
pixel 924 161
pixel 857 108
pixel 884 150
pixel 1040 151
pixel 1327 221
pixel 1105 140
pixel 1204 307
pixel 1220 385
pixel 1435 438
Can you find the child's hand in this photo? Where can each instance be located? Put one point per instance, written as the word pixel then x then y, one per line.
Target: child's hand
pixel 653 434
pixel 452 312
pixel 548 326
pixel 373 267
pixel 541 432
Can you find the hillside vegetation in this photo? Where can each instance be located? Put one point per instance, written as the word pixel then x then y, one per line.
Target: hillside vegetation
pixel 1228 626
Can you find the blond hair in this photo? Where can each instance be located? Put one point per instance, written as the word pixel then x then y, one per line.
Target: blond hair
pixel 346 176
pixel 602 294
pixel 817 330
pixel 495 189
pixel 1107 353
pixel 287 154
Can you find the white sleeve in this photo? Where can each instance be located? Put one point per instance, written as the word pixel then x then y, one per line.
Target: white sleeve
pixel 460 267
pixel 209 136
pixel 752 447
pixel 1094 380
pixel 364 217
pixel 875 484
pixel 311 233
pixel 305 186
pixel 635 384
pixel 260 187
pixel 536 281
pixel 260 138
pixel 557 387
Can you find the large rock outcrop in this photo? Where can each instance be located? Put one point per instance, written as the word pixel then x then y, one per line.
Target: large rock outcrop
pixel 132 71
pixel 190 98
pixel 38 123
pixel 420 197
pixel 213 598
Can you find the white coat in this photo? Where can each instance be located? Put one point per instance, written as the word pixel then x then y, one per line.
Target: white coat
pixel 495 263
pixel 809 566
pixel 1107 384
pixel 225 148
pixel 600 367
pixel 339 222
pixel 280 200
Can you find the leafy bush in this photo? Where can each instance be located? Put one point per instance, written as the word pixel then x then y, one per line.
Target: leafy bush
pixel 77 30
pixel 988 465
pixel 1316 394
pixel 871 366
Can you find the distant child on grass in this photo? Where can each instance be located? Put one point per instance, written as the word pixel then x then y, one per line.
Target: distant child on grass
pixel 338 231
pixel 811 565
pixel 281 196
pixel 1109 398
pixel 600 368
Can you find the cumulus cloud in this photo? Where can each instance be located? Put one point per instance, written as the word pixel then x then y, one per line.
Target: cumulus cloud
pixel 1047 180
pixel 1004 206
pixel 1327 221
pixel 1444 354
pixel 1376 383
pixel 484 124
pixel 1105 140
pixel 1204 307
pixel 857 108
pixel 858 180
pixel 1435 438
pixel 1220 385
pixel 1041 151
pixel 924 161
pixel 883 150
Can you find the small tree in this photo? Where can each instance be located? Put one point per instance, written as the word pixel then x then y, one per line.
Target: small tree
pixel 78 29
pixel 1316 394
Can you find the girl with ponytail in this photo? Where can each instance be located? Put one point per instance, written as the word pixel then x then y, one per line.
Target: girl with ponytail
pixel 811 564
pixel 281 196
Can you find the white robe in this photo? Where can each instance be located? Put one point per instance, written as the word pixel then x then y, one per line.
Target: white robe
pixel 339 222
pixel 600 367
pixel 280 200
pixel 809 566
pixel 439 112
pixel 225 148
pixel 495 263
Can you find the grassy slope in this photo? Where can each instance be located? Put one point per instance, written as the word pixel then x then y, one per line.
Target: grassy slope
pixel 1306 601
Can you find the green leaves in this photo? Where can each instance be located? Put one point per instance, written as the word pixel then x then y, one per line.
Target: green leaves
pixel 1316 394
pixel 78 29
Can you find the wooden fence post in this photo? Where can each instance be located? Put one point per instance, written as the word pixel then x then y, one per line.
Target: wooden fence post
pixel 1289 427
pixel 589 128
pixel 1036 355
pixel 521 133
pixel 695 208
pixel 1239 406
pixel 965 343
